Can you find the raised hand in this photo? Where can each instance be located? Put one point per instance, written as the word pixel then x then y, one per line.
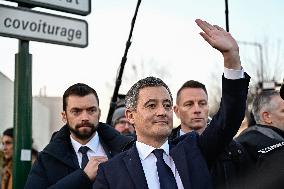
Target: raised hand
pixel 221 40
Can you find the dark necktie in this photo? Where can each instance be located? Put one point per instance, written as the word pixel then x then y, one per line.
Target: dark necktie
pixel 166 176
pixel 85 159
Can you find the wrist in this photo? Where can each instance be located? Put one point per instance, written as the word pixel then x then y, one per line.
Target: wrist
pixel 232 59
pixel 89 175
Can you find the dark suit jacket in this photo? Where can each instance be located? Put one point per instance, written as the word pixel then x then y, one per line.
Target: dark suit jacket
pixel 57 165
pixel 228 170
pixel 191 153
pixel 265 145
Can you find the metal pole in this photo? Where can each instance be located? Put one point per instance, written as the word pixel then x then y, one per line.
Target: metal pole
pixel 121 68
pixel 227 15
pixel 259 46
pixel 261 61
pixel 22 115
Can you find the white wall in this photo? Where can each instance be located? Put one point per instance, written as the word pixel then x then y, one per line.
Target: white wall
pixel 6 102
pixel 45 114
pixel 41 123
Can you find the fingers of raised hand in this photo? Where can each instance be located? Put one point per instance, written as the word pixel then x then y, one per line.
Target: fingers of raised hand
pixel 218 28
pixel 205 26
pixel 208 28
pixel 205 36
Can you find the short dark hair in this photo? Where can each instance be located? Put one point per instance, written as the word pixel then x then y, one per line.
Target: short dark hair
pixel 9 132
pixel 191 84
pixel 78 89
pixel 131 97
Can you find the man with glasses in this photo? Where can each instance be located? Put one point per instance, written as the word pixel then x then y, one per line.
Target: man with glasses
pixel 120 123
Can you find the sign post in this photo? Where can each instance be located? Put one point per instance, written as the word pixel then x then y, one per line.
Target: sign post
pixel 25 24
pixel 22 115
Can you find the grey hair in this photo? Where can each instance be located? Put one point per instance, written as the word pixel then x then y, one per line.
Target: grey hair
pixel 131 97
pixel 263 102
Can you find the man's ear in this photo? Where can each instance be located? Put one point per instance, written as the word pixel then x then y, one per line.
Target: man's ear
pixel 266 118
pixel 64 117
pixel 130 116
pixel 176 111
pixel 99 116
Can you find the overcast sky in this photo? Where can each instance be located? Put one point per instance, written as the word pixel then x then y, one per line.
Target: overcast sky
pixel 165 44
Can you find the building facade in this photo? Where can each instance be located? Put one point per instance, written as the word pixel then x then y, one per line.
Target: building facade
pixel 46 111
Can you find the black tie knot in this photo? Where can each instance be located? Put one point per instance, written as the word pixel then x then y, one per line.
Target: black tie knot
pixel 158 153
pixel 84 149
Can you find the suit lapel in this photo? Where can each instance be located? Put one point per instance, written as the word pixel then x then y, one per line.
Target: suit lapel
pixel 134 166
pixel 180 159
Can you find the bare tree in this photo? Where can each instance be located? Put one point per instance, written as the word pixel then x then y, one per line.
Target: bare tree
pixel 264 65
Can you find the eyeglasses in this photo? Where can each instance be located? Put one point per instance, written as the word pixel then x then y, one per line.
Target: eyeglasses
pixel 123 122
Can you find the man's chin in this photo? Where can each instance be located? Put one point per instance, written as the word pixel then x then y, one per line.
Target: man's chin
pixel 8 158
pixel 83 133
pixel 126 133
pixel 199 125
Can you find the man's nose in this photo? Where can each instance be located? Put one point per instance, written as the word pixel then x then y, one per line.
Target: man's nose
pixel 161 110
pixel 126 126
pixel 85 115
pixel 4 146
pixel 197 108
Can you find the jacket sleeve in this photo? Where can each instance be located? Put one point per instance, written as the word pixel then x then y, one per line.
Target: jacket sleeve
pixel 38 179
pixel 225 124
pixel 101 181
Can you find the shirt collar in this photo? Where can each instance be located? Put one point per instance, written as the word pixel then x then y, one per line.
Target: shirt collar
pixel 181 132
pixel 92 144
pixel 145 150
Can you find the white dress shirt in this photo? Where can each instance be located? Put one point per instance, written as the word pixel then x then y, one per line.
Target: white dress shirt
pixel 181 132
pixel 148 160
pixel 233 74
pixel 94 144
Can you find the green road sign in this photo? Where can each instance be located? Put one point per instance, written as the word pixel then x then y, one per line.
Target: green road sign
pixel 81 7
pixel 27 24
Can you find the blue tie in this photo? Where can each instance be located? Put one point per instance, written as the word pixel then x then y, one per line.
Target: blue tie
pixel 85 159
pixel 166 176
